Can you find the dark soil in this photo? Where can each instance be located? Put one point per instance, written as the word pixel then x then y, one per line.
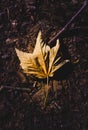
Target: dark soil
pixel 20 97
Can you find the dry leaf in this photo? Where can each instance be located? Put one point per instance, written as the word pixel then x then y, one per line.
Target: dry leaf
pixel 42 63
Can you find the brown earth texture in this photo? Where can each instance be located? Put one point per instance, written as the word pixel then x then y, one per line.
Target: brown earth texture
pixel 21 96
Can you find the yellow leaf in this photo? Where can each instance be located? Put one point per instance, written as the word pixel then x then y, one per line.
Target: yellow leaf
pixel 42 63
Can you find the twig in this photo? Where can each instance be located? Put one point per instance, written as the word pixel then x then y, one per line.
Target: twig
pixel 31 92
pixel 69 22
pixel 75 32
pixel 16 88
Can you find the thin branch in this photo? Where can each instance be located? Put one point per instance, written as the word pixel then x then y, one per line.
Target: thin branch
pixel 31 92
pixel 77 31
pixel 69 22
pixel 15 88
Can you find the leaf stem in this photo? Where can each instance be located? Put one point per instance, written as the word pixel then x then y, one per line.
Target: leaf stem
pixel 47 80
pixel 46 91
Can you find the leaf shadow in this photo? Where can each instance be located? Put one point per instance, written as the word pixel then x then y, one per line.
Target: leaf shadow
pixel 65 70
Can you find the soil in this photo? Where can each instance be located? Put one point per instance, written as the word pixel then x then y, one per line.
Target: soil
pixel 21 97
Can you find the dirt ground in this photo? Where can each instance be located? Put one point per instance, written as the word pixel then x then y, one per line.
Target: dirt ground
pixel 20 95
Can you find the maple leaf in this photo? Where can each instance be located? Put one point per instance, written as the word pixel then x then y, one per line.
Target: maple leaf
pixel 42 63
